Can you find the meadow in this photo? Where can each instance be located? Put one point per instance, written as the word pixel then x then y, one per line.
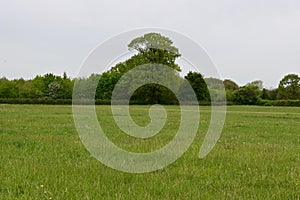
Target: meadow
pixel 257 156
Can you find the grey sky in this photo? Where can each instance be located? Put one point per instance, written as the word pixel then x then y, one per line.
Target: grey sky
pixel 247 40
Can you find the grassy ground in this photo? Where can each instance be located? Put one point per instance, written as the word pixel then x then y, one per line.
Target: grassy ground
pixel 257 157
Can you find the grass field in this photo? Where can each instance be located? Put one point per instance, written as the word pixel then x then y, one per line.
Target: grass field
pixel 257 157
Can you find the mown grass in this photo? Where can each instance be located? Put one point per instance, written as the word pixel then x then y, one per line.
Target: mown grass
pixel 257 157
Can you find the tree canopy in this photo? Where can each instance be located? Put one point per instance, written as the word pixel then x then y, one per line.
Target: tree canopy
pixel 151 48
pixel 289 87
pixel 152 42
pixel 230 85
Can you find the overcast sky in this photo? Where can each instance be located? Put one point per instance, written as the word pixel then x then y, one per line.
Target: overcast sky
pixel 246 39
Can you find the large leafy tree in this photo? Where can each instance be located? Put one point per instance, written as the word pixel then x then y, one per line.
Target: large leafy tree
pixel 289 87
pixel 153 49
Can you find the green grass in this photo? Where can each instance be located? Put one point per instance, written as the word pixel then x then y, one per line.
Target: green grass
pixel 257 157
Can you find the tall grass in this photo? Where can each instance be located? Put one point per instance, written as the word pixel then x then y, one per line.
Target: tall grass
pixel 257 157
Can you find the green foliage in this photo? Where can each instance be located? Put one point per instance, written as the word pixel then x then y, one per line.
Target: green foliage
pixel 198 84
pixel 152 48
pixel 85 88
pixel 256 83
pixel 8 89
pixel 279 102
pixel 38 89
pixel 214 83
pixel 55 91
pixel 230 85
pixel 133 86
pixel 157 49
pixel 273 93
pixel 247 95
pixel 265 94
pixel 216 89
pixel 141 59
pixel 106 85
pixel 47 86
pixel 230 95
pixel 289 87
pixel 154 94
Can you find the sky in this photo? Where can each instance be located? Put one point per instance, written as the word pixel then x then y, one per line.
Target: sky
pixel 246 39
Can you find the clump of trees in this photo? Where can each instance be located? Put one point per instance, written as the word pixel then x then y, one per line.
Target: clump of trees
pixel 47 86
pixel 151 48
pixel 253 93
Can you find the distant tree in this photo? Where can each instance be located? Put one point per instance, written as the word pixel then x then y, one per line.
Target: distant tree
pixel 273 93
pixel 25 89
pixel 85 87
pixel 38 88
pixel 214 83
pixel 50 78
pixel 268 94
pixel 230 85
pixel 248 95
pixel 67 85
pixel 5 88
pixel 216 89
pixel 265 94
pixel 65 75
pixel 289 87
pixel 198 84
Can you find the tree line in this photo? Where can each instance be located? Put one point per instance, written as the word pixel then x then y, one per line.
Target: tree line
pixel 50 86
pixel 151 48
